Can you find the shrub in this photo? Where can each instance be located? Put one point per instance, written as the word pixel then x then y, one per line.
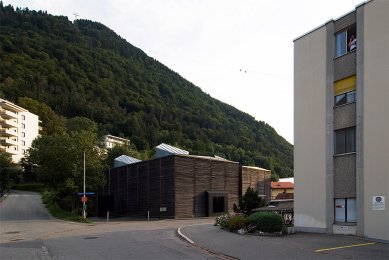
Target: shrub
pixel 268 222
pixel 237 222
pixel 222 220
pixel 249 201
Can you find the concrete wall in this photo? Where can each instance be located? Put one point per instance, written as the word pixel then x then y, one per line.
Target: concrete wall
pixel 310 131
pixel 376 119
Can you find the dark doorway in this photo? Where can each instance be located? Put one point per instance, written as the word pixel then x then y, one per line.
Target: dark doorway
pixel 218 204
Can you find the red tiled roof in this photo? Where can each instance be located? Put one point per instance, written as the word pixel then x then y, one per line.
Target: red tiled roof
pixel 284 196
pixel 281 185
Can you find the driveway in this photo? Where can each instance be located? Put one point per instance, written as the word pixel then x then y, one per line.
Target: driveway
pixel 297 246
pixel 23 206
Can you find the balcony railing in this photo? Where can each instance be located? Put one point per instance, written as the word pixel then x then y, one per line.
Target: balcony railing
pixel 9 123
pixel 8 132
pixel 9 142
pixel 8 114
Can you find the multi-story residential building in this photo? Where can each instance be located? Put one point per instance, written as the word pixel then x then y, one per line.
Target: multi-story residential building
pixel 18 128
pixel 110 141
pixel 341 151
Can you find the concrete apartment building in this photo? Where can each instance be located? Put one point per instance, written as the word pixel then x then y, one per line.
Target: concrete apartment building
pixel 110 141
pixel 341 152
pixel 18 128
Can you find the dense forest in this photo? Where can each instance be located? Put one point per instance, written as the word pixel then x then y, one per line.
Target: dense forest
pixel 84 69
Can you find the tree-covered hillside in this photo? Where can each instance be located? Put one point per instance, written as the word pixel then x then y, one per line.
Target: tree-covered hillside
pixel 85 69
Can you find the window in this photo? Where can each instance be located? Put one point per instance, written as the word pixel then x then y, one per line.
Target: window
pixel 23 134
pixel 345 140
pixel 23 143
pixel 345 98
pixel 345 41
pixel 23 117
pixel 345 210
pixel 23 126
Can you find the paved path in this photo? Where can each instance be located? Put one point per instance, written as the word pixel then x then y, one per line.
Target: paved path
pixel 23 206
pixel 297 246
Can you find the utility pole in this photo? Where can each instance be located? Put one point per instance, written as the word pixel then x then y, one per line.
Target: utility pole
pixel 84 197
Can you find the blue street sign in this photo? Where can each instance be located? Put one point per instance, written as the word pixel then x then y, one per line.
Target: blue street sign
pixel 86 193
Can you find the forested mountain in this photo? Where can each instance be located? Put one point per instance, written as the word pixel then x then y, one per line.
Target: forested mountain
pixel 86 69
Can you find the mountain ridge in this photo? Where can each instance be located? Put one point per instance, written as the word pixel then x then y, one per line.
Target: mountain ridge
pixel 86 69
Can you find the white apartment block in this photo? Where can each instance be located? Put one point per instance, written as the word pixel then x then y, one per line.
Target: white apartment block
pixel 18 128
pixel 110 141
pixel 341 122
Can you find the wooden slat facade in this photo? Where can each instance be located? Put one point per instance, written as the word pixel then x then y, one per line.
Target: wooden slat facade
pixel 257 178
pixel 173 186
pixel 194 176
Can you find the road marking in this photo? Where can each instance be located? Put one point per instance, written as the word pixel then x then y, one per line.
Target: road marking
pixel 340 247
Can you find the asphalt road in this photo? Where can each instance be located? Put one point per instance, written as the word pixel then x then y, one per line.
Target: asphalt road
pixel 23 206
pixel 27 231
pixel 297 246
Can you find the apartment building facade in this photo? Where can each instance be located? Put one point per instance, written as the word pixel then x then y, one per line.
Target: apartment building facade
pixel 18 128
pixel 341 152
pixel 110 141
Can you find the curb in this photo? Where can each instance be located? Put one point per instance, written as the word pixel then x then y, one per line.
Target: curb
pixel 190 241
pixel 183 236
pixel 4 196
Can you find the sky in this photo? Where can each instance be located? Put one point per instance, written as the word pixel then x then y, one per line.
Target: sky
pixel 238 51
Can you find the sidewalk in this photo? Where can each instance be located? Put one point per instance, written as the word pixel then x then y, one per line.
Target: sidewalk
pixel 298 246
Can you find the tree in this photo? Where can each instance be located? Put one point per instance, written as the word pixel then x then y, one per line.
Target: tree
pixel 117 151
pixel 249 201
pixel 5 171
pixel 60 163
pixel 79 123
pixel 52 123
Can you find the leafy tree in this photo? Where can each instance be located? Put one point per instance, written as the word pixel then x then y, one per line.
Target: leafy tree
pixel 78 123
pixel 249 201
pixel 52 122
pixel 60 162
pixel 5 171
pixel 119 150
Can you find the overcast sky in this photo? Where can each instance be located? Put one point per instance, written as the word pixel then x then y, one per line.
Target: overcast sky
pixel 238 51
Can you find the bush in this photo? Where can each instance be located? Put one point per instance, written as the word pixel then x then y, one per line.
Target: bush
pixel 222 220
pixel 249 201
pixel 236 222
pixel 268 222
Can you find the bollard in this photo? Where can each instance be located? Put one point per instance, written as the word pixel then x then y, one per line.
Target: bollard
pixel 148 215
pixel 107 215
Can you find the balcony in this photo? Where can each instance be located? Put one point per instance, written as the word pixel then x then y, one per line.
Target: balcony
pixel 9 123
pixel 7 132
pixel 11 150
pixel 8 114
pixel 9 142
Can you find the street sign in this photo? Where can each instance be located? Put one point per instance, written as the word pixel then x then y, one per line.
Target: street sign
pixel 84 199
pixel 86 193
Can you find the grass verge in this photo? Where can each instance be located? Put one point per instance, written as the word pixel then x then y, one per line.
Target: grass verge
pixel 48 198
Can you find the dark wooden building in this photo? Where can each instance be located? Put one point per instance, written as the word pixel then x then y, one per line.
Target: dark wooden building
pixel 257 178
pixel 176 186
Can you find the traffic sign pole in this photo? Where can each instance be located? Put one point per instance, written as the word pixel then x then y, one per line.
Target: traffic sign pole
pixel 84 198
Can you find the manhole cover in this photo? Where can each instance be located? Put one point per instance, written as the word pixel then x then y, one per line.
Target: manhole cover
pixel 90 237
pixel 12 232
